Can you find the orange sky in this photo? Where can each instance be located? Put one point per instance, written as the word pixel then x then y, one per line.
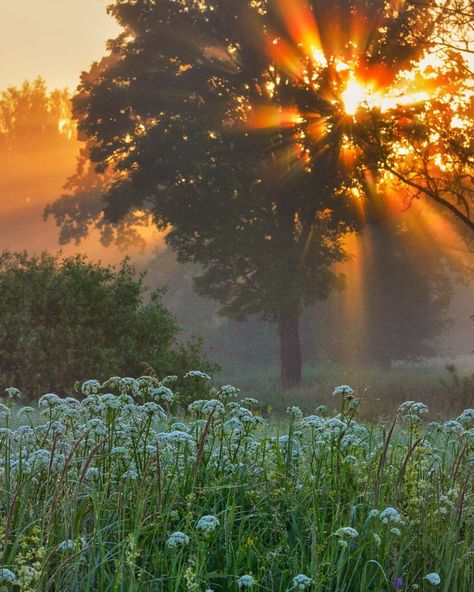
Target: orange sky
pixel 52 38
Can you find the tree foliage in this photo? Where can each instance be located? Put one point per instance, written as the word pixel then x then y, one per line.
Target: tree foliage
pixel 64 320
pixel 37 143
pixel 227 122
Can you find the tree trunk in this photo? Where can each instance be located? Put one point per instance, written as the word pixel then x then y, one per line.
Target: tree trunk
pixel 290 350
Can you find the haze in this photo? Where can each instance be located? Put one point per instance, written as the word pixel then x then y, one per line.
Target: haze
pixel 55 39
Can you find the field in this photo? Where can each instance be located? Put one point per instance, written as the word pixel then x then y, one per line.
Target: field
pixel 446 385
pixel 136 486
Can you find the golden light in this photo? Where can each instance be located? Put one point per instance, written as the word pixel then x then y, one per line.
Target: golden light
pixel 330 64
pixel 354 96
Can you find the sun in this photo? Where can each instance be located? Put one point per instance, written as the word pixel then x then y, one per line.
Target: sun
pixel 354 96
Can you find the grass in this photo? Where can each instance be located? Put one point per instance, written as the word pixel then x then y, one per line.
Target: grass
pixel 109 494
pixel 445 387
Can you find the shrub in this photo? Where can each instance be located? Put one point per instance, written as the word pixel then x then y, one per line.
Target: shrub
pixel 63 319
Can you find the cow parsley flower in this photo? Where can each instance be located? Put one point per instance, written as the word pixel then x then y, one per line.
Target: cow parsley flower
pixel 25 412
pixel 312 421
pixel 301 582
pixel 229 391
pixel 413 408
pixel 390 515
pixel 129 385
pixel 176 437
pixel 347 531
pixel 90 387
pixel 433 578
pixel 6 575
pixel 249 402
pixel 179 426
pixel 411 418
pixel 40 457
pixel 197 374
pixel 343 390
pixel 96 427
pixel 163 393
pixel 49 400
pixel 119 451
pixel 177 539
pixel 246 581
pixel 452 427
pixel 419 408
pixel 67 545
pixel 153 410
pixel 172 378
pixel 294 411
pixel 234 425
pixel 13 393
pixel 207 523
pixel 92 473
pixel 466 418
pixel 5 412
pixel 109 401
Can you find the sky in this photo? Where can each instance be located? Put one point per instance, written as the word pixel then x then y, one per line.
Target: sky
pixel 55 39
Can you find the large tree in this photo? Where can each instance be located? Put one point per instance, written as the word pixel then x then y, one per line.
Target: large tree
pixel 244 128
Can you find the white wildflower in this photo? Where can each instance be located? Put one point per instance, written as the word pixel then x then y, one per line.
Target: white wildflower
pixel 153 410
pixel 197 374
pixel 452 427
pixel 67 545
pixel 347 531
pixel 49 400
pixel 207 523
pixel 163 393
pixel 25 412
pixel 249 402
pixel 343 390
pixel 390 515
pixel 178 539
pixel 294 411
pixel 433 578
pixel 5 412
pixel 301 582
pixel 6 575
pixel 313 422
pixel 13 393
pixel 91 387
pixel 176 437
pixel 129 385
pixel 246 581
pixel 229 391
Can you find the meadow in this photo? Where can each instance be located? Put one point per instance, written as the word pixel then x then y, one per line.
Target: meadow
pixel 138 485
pixel 446 385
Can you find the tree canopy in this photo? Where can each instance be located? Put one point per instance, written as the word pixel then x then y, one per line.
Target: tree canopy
pixel 258 134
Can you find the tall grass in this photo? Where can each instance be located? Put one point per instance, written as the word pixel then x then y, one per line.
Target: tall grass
pixel 115 493
pixel 447 388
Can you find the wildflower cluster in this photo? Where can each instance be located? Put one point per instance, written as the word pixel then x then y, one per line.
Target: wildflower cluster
pixel 119 480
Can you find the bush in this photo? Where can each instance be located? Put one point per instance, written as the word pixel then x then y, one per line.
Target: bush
pixel 63 319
